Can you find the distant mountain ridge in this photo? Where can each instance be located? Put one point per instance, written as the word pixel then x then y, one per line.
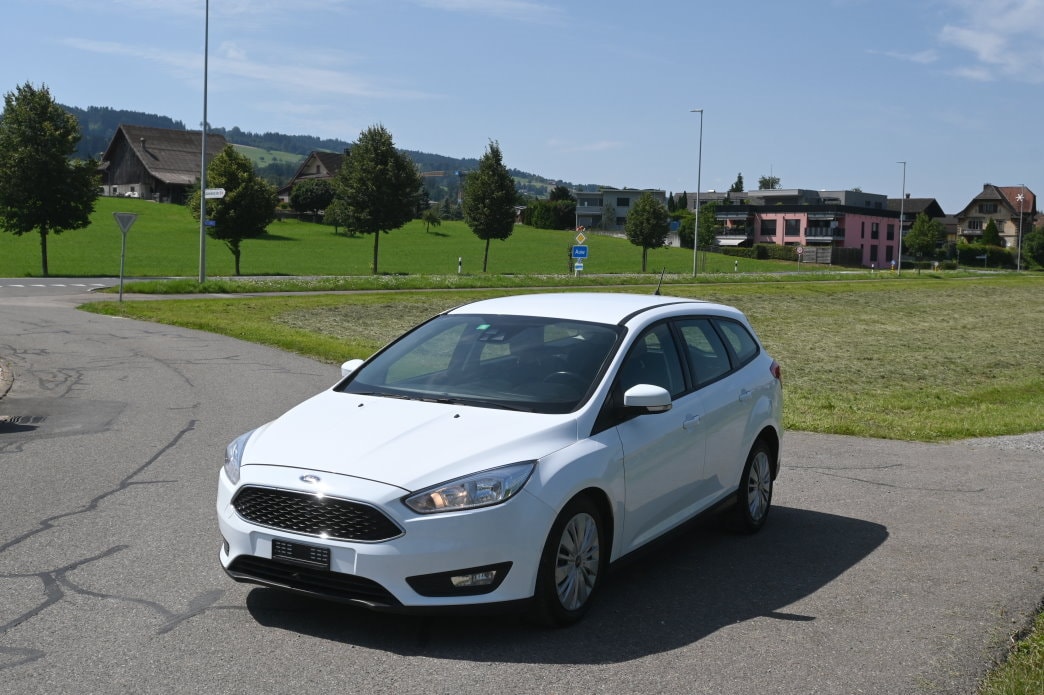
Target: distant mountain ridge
pixel 98 124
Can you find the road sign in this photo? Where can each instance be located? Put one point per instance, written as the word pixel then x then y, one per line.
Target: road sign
pixel 214 193
pixel 210 223
pixel 578 266
pixel 580 238
pixel 125 220
pixel 579 252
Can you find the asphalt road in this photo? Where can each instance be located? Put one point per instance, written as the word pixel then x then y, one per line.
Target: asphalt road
pixel 886 567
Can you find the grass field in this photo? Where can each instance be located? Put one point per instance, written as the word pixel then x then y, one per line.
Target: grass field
pixel 916 359
pixel 164 242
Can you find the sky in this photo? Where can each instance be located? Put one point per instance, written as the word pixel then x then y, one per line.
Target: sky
pixel 824 94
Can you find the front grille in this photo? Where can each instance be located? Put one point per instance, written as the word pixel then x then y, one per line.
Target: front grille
pixel 331 585
pixel 312 515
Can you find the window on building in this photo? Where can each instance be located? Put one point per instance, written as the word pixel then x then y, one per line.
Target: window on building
pixel 975 224
pixel 875 230
pixel 873 253
pixel 890 232
pixel 623 202
pixel 987 208
pixel 620 221
pixel 768 228
pixel 791 227
pixel 862 230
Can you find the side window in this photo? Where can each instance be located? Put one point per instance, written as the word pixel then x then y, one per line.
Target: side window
pixel 653 360
pixel 743 345
pixel 708 356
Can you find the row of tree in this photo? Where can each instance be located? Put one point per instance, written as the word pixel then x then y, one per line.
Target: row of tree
pixel 44 188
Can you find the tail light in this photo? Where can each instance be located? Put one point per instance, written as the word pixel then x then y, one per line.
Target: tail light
pixel 776 371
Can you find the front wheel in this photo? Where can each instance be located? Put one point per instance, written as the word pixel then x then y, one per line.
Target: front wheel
pixel 754 496
pixel 572 564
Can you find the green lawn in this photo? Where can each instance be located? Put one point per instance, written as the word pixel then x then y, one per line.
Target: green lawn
pixel 925 359
pixel 164 241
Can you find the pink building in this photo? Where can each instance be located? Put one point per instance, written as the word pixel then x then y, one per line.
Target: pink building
pixel 814 219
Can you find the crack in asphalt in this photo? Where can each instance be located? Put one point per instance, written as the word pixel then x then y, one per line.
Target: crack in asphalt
pixel 832 472
pixel 57 584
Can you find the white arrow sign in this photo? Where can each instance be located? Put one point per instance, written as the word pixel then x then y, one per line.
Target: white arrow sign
pixel 214 193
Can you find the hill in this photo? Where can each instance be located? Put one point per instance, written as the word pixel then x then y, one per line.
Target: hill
pixel 281 154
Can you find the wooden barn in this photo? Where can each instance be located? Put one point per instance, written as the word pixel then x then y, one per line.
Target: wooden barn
pixel 154 163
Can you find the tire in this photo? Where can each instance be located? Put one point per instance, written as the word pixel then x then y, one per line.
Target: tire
pixel 572 564
pixel 754 496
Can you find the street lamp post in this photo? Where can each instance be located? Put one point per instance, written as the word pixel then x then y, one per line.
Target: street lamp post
pixel 1021 197
pixel 902 203
pixel 699 172
pixel 203 157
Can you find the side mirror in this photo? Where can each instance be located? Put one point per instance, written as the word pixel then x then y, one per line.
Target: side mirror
pixel 651 399
pixel 350 366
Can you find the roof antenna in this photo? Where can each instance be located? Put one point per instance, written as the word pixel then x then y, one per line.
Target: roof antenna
pixel 660 283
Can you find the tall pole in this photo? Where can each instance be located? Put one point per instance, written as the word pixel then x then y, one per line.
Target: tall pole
pixel 902 203
pixel 203 157
pixel 1018 255
pixel 699 173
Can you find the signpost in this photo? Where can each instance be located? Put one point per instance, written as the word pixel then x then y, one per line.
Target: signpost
pixel 579 253
pixel 125 220
pixel 210 193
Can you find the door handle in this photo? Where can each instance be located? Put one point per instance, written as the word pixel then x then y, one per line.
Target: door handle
pixel 744 395
pixel 691 422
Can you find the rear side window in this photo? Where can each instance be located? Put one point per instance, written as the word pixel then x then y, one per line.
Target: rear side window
pixel 708 356
pixel 743 345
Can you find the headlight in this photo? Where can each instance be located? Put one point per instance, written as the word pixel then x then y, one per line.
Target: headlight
pixel 478 490
pixel 234 456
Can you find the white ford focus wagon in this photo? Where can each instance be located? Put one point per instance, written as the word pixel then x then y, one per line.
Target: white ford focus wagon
pixel 507 452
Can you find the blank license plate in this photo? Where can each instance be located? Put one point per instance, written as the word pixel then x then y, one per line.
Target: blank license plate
pixel 310 555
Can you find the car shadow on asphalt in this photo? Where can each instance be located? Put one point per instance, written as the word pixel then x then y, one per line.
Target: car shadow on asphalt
pixel 672 595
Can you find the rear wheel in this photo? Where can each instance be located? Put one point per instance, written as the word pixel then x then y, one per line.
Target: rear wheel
pixel 754 497
pixel 572 564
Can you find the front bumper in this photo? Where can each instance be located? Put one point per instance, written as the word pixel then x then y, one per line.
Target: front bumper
pixel 383 575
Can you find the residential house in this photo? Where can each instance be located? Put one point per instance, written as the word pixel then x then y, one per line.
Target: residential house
pixel 317 165
pixel 816 219
pixel 1012 208
pixel 607 208
pixel 157 164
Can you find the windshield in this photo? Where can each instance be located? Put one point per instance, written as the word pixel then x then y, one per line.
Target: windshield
pixel 528 363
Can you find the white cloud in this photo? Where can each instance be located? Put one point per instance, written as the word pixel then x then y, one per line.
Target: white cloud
pixel 1004 37
pixel 232 61
pixel 519 10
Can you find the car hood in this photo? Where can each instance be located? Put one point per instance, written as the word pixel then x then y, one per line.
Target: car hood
pixel 409 444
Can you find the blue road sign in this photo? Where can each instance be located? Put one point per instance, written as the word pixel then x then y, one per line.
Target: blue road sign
pixel 210 223
pixel 580 251
pixel 578 266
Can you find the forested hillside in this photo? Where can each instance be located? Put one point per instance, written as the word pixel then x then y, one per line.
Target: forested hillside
pixel 99 123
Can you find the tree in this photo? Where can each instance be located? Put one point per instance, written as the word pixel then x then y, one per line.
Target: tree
pixel 489 199
pixel 672 204
pixel 560 193
pixel 1033 245
pixel 924 235
pixel 768 183
pixel 990 235
pixel 646 225
pixel 737 187
pixel 247 208
pixel 41 188
pixel 431 218
pixel 379 186
pixel 312 195
pixel 708 223
pixel 683 201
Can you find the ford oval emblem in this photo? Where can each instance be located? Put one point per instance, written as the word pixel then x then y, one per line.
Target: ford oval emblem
pixel 311 479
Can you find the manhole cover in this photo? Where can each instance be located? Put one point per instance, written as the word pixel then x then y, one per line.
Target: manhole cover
pixel 23 419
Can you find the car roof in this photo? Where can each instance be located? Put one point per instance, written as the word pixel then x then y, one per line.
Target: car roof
pixel 598 307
